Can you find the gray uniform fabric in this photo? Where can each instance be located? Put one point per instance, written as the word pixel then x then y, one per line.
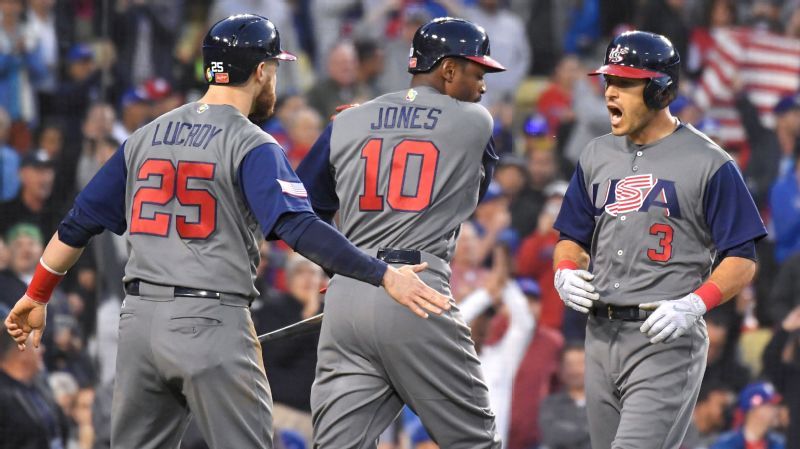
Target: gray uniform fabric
pixel 374 355
pixel 651 241
pixel 179 356
pixel 215 134
pixel 677 170
pixel 459 132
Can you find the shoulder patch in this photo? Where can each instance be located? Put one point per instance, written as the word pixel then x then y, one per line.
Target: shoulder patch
pixel 296 189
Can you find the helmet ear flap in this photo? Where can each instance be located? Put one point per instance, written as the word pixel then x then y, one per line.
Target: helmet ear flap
pixel 659 92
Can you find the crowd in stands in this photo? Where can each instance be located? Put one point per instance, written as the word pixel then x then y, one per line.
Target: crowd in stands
pixel 77 77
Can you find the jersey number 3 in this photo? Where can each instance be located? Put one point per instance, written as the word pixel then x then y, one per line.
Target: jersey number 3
pixel 174 183
pixel 428 154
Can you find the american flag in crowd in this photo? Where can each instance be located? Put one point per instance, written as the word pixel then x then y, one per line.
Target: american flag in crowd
pixel 768 66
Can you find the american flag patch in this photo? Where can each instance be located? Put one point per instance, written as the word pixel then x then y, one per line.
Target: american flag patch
pixel 293 188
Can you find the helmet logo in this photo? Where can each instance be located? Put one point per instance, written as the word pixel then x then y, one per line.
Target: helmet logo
pixel 616 54
pixel 221 78
pixel 216 66
pixel 412 63
pixel 209 74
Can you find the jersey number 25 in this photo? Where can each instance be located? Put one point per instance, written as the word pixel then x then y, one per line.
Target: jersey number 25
pixel 174 183
pixel 371 200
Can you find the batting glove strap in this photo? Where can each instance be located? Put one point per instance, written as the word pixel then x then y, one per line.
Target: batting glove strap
pixel 672 319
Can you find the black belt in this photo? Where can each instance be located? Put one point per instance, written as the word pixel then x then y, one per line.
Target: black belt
pixel 623 313
pixel 132 288
pixel 404 256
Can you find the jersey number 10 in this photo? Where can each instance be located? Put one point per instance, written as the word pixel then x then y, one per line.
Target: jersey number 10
pixel 174 183
pixel 371 200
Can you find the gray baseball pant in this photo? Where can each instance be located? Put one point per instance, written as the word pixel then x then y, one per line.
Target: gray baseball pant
pixel 375 355
pixel 180 357
pixel 641 395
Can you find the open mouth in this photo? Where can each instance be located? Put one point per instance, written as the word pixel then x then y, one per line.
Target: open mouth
pixel 615 113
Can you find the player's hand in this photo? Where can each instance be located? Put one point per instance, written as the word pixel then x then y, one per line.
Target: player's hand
pixel 408 289
pixel 27 317
pixel 575 289
pixel 672 319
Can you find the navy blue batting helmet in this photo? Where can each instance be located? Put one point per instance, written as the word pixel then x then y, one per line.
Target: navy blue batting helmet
pixel 446 36
pixel 639 54
pixel 233 47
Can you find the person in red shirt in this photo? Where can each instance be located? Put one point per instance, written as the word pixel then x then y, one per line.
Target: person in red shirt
pixel 555 102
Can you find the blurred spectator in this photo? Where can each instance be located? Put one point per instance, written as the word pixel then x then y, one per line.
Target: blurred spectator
pixel 765 15
pixel 715 14
pixel 66 352
pixel 31 417
pixel 536 375
pixel 290 363
pixel 136 112
pixel 509 45
pixel 80 88
pixel 21 63
pixel 545 22
pixel 164 98
pixel 492 222
pixel 468 271
pixel 782 367
pixel 758 404
pixel 303 129
pixel 584 27
pixel 555 102
pixel 341 84
pixel 144 33
pixel 723 367
pixel 785 294
pixel 591 117
pixel 65 390
pixel 709 417
pixel 83 432
pixel 371 62
pixel 543 168
pixel 31 204
pixel 101 416
pixel 535 256
pixel 80 154
pixel 684 108
pixel 395 74
pixel 25 248
pixel 501 358
pixel 42 25
pixel 5 256
pixel 511 175
pixel 9 161
pixel 773 150
pixel 562 419
pixel 90 162
pixel 285 109
pixel 666 17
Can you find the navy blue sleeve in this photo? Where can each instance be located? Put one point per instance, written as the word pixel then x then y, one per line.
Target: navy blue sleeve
pixel 315 173
pixel 730 212
pixel 576 219
pixel 100 205
pixel 746 250
pixel 270 186
pixel 489 162
pixel 322 244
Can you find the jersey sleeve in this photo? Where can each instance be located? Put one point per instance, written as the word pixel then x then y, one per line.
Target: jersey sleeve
pixel 102 202
pixel 270 186
pixel 315 173
pixel 730 213
pixel 489 162
pixel 576 219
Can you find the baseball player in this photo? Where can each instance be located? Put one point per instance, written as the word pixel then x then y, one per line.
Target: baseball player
pixel 649 210
pixel 404 171
pixel 193 189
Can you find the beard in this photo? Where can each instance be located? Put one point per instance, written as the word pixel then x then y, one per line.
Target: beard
pixel 264 105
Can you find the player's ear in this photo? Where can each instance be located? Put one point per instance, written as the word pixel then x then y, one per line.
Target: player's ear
pixel 448 69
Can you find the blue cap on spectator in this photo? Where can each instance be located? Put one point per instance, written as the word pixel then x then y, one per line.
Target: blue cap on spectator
pixel 787 103
pixel 79 52
pixel 709 127
pixel 493 192
pixel 535 126
pixel 680 103
pixel 36 159
pixel 756 394
pixel 134 95
pixel 529 287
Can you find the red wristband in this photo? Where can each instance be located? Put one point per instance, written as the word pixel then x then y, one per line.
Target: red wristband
pixel 710 294
pixel 43 283
pixel 566 264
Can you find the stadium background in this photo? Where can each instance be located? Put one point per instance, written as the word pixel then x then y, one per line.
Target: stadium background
pixel 78 76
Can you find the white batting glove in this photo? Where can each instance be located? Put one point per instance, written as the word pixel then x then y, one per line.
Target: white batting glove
pixel 672 319
pixel 575 290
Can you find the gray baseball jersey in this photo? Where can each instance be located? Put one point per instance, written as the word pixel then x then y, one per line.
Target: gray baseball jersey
pixel 186 212
pixel 403 170
pixel 656 216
